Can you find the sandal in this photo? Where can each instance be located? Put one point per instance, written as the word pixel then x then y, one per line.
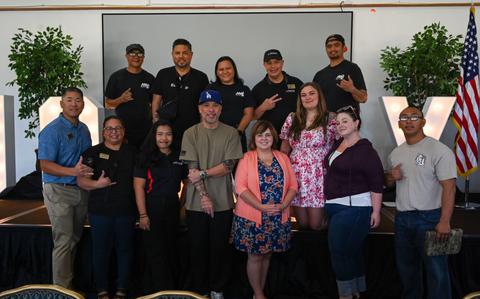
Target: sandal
pixel 102 295
pixel 120 294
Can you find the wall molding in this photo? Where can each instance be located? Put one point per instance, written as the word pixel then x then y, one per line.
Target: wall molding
pixel 340 5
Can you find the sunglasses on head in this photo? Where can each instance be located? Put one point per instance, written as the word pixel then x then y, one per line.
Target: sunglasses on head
pixel 348 108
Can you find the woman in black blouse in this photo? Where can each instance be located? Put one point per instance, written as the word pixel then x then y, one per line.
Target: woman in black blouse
pixel 157 182
pixel 237 99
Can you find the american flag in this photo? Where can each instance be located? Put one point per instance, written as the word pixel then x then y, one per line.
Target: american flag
pixel 465 116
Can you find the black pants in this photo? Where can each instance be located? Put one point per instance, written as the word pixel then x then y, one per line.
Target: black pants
pixel 161 244
pixel 210 252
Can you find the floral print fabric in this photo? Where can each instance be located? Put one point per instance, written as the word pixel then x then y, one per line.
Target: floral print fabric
pixel 271 235
pixel 307 155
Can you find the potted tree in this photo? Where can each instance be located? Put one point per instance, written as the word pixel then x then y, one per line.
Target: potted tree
pixel 428 67
pixel 44 64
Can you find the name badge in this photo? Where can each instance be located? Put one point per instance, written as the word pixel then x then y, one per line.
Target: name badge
pixel 291 86
pixel 104 156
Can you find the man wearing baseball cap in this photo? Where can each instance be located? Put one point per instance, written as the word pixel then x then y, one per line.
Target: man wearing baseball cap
pixel 129 93
pixel 276 94
pixel 211 150
pixel 341 81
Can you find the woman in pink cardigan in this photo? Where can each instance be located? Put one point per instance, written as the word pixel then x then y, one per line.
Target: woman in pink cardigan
pixel 265 184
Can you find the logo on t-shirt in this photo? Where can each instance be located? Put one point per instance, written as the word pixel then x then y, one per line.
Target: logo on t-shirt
pixel 420 160
pixel 145 85
pixel 340 77
pixel 291 87
pixel 240 94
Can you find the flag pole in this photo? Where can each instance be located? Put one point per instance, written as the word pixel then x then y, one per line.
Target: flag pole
pixel 467 191
pixel 467 205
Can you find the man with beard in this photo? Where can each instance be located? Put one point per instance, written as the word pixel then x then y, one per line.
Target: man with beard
pixel 176 90
pixel 341 81
pixel 211 150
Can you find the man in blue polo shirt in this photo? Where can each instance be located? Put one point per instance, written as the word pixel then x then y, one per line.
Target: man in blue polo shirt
pixel 60 145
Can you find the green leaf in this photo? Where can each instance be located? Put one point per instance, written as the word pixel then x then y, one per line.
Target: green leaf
pixel 428 67
pixel 44 64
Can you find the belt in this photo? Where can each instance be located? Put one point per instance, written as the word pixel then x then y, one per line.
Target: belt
pixel 65 184
pixel 357 200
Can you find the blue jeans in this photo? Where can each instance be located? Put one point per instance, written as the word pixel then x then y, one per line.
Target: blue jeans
pixel 109 232
pixel 347 230
pixel 410 228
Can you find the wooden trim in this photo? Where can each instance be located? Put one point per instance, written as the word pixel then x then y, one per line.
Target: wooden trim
pixel 12 292
pixel 228 7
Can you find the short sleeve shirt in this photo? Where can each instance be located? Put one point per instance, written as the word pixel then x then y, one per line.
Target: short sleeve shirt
pixel 117 199
pixel 210 147
pixel 288 90
pixel 185 90
pixel 163 177
pixel 136 114
pixel 335 96
pixel 62 142
pixel 424 165
pixel 235 98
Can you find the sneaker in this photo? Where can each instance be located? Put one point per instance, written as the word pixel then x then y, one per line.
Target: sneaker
pixel 216 295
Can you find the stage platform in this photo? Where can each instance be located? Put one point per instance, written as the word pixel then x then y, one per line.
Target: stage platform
pixel 303 272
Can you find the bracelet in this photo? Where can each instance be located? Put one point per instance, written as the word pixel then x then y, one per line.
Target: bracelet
pixel 143 216
pixel 203 194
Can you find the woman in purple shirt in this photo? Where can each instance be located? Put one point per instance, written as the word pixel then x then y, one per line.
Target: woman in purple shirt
pixel 353 189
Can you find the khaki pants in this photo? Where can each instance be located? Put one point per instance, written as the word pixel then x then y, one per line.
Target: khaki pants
pixel 67 207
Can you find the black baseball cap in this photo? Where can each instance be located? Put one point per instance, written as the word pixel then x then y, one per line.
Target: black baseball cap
pixel 133 47
pixel 272 54
pixel 335 37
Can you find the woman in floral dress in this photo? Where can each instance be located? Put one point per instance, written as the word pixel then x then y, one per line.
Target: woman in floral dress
pixel 265 184
pixel 307 136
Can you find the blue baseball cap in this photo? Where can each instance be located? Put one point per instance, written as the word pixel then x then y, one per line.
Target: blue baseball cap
pixel 210 96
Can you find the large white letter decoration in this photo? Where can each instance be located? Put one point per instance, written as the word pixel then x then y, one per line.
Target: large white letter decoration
pixel 436 111
pixel 392 108
pixel 92 115
pixel 7 142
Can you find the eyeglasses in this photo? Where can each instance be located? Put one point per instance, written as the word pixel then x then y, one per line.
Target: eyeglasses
pixel 137 54
pixel 113 129
pixel 411 117
pixel 348 108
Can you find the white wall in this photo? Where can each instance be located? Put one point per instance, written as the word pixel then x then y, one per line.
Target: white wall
pixel 373 29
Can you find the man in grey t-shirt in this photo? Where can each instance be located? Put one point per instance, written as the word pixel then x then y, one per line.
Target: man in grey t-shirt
pixel 424 172
pixel 211 149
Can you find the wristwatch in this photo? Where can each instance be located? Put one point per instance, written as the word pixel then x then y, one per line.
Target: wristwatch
pixel 203 174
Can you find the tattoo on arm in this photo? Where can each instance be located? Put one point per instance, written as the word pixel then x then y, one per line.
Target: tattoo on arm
pixel 229 164
pixel 200 187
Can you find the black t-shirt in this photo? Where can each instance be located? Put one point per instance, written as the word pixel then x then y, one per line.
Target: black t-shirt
pixel 288 90
pixel 235 98
pixel 185 90
pixel 335 96
pixel 118 165
pixel 135 114
pixel 163 176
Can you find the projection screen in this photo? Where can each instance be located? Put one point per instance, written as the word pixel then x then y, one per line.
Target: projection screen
pixel 300 37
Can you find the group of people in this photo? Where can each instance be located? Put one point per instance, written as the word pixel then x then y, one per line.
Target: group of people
pixel 305 154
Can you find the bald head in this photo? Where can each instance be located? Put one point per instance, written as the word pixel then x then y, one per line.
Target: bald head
pixel 412 110
pixel 411 122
